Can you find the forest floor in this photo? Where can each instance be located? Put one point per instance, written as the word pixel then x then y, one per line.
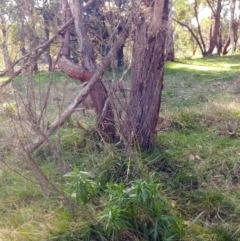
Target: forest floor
pixel 187 187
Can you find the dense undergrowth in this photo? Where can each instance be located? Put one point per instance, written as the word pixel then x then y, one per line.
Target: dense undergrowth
pixel 186 187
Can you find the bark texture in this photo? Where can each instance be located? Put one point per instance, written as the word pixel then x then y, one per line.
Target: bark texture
pixel 99 94
pixel 147 77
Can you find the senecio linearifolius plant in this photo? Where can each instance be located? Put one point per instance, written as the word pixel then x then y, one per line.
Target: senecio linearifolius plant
pixel 138 209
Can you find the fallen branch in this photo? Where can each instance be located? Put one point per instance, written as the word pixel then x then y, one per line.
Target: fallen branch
pixel 81 96
pixel 70 109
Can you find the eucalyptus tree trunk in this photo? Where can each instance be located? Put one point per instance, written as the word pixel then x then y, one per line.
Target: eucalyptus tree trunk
pixel 99 95
pixel 232 26
pixel 214 36
pixel 147 73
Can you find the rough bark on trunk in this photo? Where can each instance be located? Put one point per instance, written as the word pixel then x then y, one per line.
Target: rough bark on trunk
pixel 219 44
pixel 147 76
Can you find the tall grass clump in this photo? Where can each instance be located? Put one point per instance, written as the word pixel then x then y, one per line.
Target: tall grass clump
pixel 138 210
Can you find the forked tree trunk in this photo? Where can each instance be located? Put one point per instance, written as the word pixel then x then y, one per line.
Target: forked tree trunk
pixel 216 29
pixel 147 76
pixel 225 47
pixel 99 94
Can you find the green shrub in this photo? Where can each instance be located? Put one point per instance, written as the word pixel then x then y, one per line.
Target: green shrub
pixel 141 209
pixel 80 186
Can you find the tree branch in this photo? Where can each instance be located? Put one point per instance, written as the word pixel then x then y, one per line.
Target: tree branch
pixel 81 96
pixel 70 109
pixel 88 4
pixel 33 59
pixel 210 5
pixel 87 52
pixel 73 70
pixel 4 72
pixel 192 33
pixel 199 26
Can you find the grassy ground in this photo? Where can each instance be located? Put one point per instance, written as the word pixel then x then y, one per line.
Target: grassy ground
pixel 187 187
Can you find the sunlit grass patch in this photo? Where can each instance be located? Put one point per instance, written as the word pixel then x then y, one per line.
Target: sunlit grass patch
pixel 25 213
pixel 37 221
pixel 205 69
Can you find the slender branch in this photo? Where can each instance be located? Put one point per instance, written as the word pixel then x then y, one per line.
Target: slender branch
pixel 87 52
pixel 4 72
pixel 199 26
pixel 192 33
pixel 33 59
pixel 81 96
pixel 125 72
pixel 210 5
pixel 104 111
pixel 70 109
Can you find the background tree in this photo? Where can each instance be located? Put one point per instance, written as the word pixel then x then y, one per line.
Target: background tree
pixel 205 44
pixel 209 23
pixel 233 27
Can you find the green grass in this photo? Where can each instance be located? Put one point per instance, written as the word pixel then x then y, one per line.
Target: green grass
pixel 194 82
pixel 205 67
pixel 187 187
